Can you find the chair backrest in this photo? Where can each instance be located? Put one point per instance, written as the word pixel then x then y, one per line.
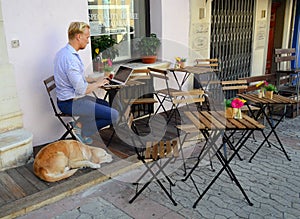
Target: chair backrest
pixel 159 73
pixel 161 149
pixel 50 87
pixel 140 74
pixel 187 97
pixel 232 87
pixel 284 56
pixel 238 85
pixel 207 63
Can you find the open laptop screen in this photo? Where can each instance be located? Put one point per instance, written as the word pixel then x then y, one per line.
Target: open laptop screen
pixel 122 74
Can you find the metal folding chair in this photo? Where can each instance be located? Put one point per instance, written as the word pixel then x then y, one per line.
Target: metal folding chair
pixel 166 93
pixel 160 154
pixel 288 78
pixel 62 117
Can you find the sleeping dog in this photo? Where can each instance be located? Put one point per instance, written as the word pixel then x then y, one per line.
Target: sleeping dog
pixel 61 159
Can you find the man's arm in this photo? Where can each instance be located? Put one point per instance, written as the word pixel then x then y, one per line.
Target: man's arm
pixel 94 86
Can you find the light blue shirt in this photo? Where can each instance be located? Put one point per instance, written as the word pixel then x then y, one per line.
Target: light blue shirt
pixel 69 74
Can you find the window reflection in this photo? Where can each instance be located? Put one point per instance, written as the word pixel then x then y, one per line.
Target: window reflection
pixel 121 20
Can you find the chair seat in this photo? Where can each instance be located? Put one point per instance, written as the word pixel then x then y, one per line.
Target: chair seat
pixel 63 114
pixel 142 101
pixel 189 128
pixel 167 91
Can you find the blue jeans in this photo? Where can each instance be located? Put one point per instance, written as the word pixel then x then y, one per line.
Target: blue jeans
pixel 93 113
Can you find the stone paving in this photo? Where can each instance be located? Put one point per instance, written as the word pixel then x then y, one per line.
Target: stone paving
pixel 271 182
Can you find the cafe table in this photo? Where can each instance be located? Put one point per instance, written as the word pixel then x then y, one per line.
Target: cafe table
pixel 266 105
pixel 214 125
pixel 187 72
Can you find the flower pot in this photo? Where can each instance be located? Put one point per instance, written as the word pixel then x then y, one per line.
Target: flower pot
pixel 237 113
pixel 98 67
pixel 149 59
pixel 229 113
pixel 269 94
pixel 182 64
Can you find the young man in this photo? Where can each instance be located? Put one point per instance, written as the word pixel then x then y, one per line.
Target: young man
pixel 72 87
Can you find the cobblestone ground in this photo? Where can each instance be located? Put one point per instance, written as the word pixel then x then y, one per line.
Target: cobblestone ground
pixel 271 182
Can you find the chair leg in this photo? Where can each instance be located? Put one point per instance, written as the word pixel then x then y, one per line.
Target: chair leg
pixel 69 129
pixel 110 139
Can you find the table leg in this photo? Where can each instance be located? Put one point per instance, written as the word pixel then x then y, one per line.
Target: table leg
pixel 226 166
pixel 273 130
pixel 204 150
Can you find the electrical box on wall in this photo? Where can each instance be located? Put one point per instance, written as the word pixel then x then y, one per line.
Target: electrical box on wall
pixel 15 43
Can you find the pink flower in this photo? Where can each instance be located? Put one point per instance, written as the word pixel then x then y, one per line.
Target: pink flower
pixel 109 62
pixel 266 83
pixel 237 103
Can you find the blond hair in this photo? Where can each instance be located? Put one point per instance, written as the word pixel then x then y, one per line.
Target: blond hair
pixel 75 28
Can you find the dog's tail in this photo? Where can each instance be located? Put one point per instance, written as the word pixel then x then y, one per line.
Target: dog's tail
pixel 50 177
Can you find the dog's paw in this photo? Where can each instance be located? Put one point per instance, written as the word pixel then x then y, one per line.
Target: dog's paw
pixel 95 166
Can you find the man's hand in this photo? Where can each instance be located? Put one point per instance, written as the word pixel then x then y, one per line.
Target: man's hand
pixel 103 82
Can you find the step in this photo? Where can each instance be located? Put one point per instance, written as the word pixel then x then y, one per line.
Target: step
pixel 15 148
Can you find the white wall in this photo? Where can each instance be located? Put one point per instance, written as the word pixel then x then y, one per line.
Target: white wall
pixel 170 20
pixel 41 28
pixel 261 29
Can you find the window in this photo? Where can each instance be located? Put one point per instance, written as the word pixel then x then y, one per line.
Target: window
pixel 119 22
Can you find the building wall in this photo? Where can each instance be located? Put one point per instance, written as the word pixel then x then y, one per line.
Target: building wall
pixel 260 37
pixel 41 28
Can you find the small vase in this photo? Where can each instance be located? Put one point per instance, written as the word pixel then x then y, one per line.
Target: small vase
pixel 182 64
pixel 98 66
pixel 269 94
pixel 260 94
pixel 229 113
pixel 237 112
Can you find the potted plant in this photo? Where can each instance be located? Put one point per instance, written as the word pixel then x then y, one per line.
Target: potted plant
pixel 103 47
pixel 233 107
pixel 180 62
pixel 270 89
pixel 106 45
pixel 148 47
pixel 266 90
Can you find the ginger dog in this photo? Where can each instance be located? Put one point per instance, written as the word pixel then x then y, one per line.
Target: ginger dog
pixel 61 159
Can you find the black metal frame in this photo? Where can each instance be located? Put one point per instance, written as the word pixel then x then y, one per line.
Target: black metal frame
pixel 50 87
pixel 270 120
pixel 211 144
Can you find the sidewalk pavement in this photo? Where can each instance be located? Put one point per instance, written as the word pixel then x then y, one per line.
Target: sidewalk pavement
pixel 271 182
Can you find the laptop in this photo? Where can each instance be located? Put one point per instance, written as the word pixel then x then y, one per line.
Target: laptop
pixel 121 76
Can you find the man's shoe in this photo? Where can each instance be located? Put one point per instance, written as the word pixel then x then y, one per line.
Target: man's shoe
pixel 87 140
pixel 77 132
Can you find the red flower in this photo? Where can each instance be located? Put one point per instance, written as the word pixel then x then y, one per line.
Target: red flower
pixel 237 103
